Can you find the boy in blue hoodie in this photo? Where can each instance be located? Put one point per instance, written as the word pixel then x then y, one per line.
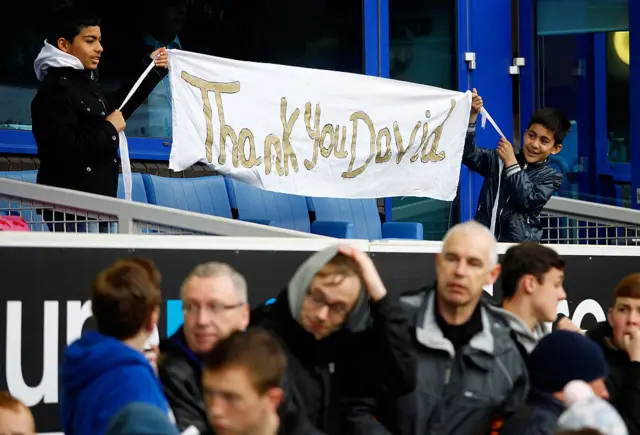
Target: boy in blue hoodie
pixel 104 371
pixel 527 181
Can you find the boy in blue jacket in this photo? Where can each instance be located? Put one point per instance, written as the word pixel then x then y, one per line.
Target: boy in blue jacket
pixel 104 371
pixel 527 181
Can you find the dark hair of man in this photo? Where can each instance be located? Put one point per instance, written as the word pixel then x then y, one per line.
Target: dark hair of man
pixel 527 259
pixel 124 295
pixel 629 287
pixel 340 267
pixel 67 23
pixel 255 350
pixel 553 120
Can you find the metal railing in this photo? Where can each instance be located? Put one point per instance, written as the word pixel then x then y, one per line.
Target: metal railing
pixel 48 208
pixel 570 221
pixel 565 221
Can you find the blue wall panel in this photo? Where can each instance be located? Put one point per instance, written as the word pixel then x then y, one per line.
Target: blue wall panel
pixel 489 36
pixel 527 50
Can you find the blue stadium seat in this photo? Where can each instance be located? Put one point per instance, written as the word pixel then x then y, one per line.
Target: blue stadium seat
pixel 280 210
pixel 15 207
pixel 27 176
pixel 138 191
pixel 363 213
pixel 206 195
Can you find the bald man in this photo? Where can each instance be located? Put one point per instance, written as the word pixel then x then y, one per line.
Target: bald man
pixel 470 373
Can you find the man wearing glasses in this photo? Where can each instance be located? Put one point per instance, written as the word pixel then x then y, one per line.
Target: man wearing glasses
pixel 214 302
pixel 345 336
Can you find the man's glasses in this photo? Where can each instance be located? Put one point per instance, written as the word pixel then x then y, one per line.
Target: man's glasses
pixel 214 308
pixel 337 310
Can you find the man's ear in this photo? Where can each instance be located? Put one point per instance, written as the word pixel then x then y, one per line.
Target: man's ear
pixel 245 314
pixel 610 317
pixel 494 274
pixel 276 396
pixel 556 148
pixel 63 45
pixel 153 319
pixel 528 282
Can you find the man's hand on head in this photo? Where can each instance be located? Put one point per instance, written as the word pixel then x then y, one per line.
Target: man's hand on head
pixel 372 281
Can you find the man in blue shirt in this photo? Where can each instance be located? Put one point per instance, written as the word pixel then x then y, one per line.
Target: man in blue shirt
pixel 104 371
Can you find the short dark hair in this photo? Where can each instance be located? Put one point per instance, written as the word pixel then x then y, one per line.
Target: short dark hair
pixel 67 23
pixel 629 287
pixel 527 259
pixel 124 295
pixel 340 267
pixel 553 120
pixel 257 350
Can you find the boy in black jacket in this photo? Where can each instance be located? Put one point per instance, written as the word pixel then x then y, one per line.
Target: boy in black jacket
pixel 75 123
pixel 527 182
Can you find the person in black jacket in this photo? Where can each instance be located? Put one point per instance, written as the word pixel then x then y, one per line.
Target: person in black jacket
pixel 75 123
pixel 214 302
pixel 345 337
pixel 580 358
pixel 527 181
pixel 619 339
pixel 242 381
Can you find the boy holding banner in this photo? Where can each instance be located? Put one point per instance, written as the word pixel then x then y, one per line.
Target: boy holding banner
pixel 512 199
pixel 75 123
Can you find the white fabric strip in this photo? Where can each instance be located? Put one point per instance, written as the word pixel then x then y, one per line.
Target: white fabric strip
pixel 124 145
pixel 494 211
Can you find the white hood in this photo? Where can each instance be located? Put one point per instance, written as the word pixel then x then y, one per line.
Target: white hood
pixel 52 57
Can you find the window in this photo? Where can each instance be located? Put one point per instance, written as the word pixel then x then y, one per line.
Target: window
pixel 584 71
pixel 324 34
pixel 422 50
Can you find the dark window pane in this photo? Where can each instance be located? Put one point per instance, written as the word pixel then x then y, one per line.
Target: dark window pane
pixel 618 112
pixel 569 54
pixel 422 50
pixel 325 34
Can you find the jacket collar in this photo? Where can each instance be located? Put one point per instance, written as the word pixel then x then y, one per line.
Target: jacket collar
pixel 429 334
pixel 179 340
pixel 524 164
pixel 92 75
pixel 545 400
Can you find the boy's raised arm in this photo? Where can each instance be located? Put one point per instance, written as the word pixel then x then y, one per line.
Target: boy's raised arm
pixel 475 158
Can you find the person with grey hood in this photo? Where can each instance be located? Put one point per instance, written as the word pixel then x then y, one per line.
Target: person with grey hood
pixel 532 286
pixel 470 373
pixel 76 124
pixel 345 337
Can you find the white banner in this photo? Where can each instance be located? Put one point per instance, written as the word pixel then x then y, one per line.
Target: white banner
pixel 316 133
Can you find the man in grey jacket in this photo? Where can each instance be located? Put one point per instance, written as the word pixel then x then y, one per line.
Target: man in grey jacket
pixel 470 373
pixel 532 287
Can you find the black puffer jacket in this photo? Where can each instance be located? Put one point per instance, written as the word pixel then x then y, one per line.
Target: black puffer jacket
pixel 77 146
pixel 623 382
pixel 539 416
pixel 523 195
pixel 180 372
pixel 371 356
